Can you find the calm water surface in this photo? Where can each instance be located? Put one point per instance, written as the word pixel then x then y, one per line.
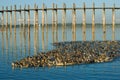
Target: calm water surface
pixel 20 43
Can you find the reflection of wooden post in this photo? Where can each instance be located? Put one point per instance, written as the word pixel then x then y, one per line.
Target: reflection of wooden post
pixel 7 41
pixel 43 19
pixel 6 17
pixel 11 19
pixel 2 42
pixel 56 23
pixel 24 43
pixel 15 18
pixel 104 23
pixel 63 21
pixel 84 23
pixel 53 19
pixel 113 23
pixel 93 23
pixel 3 18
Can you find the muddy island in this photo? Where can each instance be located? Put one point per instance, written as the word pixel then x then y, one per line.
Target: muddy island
pixel 73 52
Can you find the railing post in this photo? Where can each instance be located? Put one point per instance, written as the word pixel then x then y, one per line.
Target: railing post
pixel 93 23
pixel 84 23
pixel 113 23
pixel 104 23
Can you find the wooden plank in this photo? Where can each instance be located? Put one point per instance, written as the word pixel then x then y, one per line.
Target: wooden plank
pixel 78 8
pixel 93 23
pixel 84 23
pixel 113 23
pixel 104 22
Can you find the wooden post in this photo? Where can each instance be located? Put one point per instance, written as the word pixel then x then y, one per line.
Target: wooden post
pixel 28 18
pixel 43 19
pixel 7 29
pixel 113 23
pixel 14 17
pixel 24 22
pixel 29 29
pixel 37 34
pixel 56 23
pixel 34 16
pixel 11 19
pixel 15 28
pixel 46 20
pixel 93 23
pixel 20 19
pixel 84 23
pixel 104 23
pixel 53 20
pixel 74 22
pixel 6 17
pixel 63 21
pixel 3 18
pixel 37 17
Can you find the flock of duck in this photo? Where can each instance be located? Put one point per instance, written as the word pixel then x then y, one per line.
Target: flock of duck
pixel 71 53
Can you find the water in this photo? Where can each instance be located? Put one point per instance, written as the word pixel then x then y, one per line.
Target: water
pixel 15 45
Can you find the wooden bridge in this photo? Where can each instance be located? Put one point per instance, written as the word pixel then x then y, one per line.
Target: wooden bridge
pixel 55 13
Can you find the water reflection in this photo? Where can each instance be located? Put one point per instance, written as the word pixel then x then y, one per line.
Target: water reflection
pixel 2 42
pixel 26 41
pixel 29 39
